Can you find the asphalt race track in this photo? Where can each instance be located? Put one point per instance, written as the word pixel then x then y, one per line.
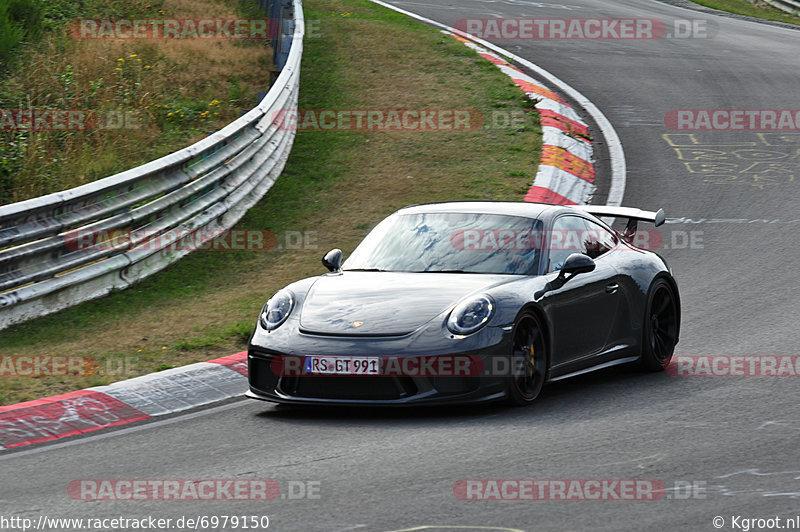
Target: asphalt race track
pixel 722 446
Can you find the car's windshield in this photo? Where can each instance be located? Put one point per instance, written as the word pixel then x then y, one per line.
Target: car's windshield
pixel 451 243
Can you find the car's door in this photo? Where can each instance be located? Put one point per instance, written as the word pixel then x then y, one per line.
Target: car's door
pixel 583 311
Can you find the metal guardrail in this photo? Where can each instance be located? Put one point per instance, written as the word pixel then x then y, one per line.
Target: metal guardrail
pixel 790 6
pixel 205 187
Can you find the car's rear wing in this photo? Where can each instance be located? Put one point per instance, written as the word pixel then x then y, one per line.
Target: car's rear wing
pixel 632 214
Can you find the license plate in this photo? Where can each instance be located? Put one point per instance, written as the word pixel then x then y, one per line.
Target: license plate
pixel 319 365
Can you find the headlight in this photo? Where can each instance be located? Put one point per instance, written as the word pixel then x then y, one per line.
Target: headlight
pixel 470 315
pixel 276 310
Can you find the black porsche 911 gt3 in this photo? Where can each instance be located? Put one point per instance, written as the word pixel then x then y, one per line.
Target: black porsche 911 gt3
pixel 468 302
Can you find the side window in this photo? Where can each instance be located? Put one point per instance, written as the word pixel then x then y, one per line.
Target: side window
pixel 598 240
pixel 566 238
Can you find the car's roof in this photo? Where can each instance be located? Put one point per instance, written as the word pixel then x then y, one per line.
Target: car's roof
pixel 511 208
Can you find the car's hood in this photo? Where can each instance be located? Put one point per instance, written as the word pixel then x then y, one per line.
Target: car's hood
pixel 385 303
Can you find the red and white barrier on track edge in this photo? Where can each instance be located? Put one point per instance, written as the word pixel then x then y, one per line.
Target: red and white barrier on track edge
pixel 123 402
pixel 566 173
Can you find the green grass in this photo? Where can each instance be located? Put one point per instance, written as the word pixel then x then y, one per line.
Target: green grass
pixel 28 21
pixel 757 9
pixel 338 184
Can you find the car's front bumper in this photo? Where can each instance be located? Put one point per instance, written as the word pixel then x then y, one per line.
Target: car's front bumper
pixel 491 352
pixel 430 399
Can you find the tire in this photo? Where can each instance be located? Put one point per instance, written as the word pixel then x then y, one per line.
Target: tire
pixel 660 330
pixel 528 360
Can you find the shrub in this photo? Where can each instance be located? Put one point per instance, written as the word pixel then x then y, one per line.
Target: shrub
pixel 19 20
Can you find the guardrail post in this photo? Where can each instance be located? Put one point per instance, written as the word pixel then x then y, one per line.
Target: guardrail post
pixel 285 34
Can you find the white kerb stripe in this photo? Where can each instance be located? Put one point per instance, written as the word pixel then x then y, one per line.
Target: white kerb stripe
pixel 563 183
pixel 555 137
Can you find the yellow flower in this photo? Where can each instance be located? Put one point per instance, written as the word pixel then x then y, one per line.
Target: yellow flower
pixel 147 67
pixel 169 114
pixel 133 55
pixel 121 60
pixel 163 347
pixel 214 102
pixel 118 68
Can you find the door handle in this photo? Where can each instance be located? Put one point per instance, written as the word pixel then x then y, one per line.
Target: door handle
pixel 612 288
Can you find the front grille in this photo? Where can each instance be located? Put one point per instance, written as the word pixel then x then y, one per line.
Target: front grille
pixel 335 387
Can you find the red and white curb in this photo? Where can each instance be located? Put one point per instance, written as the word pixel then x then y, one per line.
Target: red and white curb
pixel 566 173
pixel 123 402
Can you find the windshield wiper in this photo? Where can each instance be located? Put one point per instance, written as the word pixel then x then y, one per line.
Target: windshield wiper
pixel 364 270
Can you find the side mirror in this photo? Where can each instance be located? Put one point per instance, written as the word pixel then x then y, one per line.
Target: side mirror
pixel 333 260
pixel 575 264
